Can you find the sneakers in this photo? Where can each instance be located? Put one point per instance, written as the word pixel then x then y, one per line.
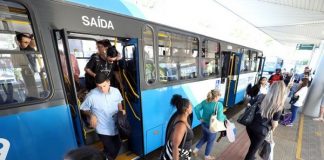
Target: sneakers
pixel 289 125
pixel 318 119
pixel 210 158
pixel 195 152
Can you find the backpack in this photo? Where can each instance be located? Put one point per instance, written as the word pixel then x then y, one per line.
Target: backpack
pixel 285 118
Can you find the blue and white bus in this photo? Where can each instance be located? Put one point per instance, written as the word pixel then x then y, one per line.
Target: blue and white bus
pixel 41 90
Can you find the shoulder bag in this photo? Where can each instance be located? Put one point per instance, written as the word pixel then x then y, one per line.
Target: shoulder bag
pixel 216 125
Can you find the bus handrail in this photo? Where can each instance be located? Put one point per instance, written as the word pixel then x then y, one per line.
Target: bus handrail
pixel 131 107
pixel 130 86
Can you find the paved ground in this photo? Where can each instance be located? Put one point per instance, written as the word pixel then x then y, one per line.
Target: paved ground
pixel 311 141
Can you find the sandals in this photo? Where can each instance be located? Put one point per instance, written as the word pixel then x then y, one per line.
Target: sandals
pixel 318 119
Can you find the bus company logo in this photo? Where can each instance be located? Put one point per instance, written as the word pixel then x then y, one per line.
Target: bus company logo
pixel 4 148
pixel 97 22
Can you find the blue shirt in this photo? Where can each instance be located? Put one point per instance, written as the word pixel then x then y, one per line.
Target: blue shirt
pixel 104 106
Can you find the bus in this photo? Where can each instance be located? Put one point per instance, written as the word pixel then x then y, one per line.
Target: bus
pixel 40 90
pixel 272 63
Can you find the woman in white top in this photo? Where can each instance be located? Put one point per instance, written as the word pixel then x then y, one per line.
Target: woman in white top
pixel 263 86
pixel 301 92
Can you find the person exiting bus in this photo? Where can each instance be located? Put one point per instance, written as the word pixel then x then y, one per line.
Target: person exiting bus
pixel 276 77
pixel 114 58
pixel 97 64
pixel 100 105
pixel 180 139
pixel 208 107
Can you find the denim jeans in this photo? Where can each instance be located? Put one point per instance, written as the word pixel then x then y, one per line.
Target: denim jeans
pixel 294 111
pixel 207 137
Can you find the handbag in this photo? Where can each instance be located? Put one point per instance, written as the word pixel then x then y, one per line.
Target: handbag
pixel 266 150
pixel 216 125
pixel 247 117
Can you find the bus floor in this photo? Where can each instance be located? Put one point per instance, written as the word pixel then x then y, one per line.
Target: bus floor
pixel 304 140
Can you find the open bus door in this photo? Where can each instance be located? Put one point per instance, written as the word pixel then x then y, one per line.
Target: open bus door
pixel 129 72
pixel 261 61
pixel 230 73
pixel 63 56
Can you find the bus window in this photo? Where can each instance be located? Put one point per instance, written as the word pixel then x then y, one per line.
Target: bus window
pixel 254 61
pixel 82 49
pixel 149 56
pixel 177 57
pixel 210 59
pixel 22 72
pixel 245 63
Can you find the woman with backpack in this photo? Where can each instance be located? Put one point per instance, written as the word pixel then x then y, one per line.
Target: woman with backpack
pixel 180 139
pixel 266 117
pixel 208 107
pixel 299 96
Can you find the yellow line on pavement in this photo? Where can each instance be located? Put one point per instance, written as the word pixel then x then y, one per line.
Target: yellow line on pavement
pixel 300 138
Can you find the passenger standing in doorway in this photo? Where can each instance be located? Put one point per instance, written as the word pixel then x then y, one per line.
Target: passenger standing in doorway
pixel 321 114
pixel 114 57
pixel 97 64
pixel 276 77
pixel 301 93
pixel 208 107
pixel 266 117
pixel 101 106
pixel 179 142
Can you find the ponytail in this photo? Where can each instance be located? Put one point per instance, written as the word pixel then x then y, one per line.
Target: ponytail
pixel 213 94
pixel 180 103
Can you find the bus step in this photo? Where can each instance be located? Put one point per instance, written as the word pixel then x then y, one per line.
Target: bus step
pixel 127 156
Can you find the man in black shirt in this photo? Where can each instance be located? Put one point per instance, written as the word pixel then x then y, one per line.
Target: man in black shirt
pixel 97 63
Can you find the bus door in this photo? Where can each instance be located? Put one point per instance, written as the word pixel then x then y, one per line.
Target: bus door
pixel 129 72
pixel 260 63
pixel 230 74
pixel 68 80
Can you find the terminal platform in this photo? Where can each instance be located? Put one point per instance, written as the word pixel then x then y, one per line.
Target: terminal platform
pixel 303 141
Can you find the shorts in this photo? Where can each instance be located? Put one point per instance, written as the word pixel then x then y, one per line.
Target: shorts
pixel 322 103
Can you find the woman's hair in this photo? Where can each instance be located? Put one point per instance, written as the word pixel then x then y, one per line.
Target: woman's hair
pixel 104 42
pixel 85 153
pixel 180 103
pixel 212 94
pixel 303 84
pixel 274 100
pixel 259 83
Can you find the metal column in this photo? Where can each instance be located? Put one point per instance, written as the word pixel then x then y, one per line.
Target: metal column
pixel 316 90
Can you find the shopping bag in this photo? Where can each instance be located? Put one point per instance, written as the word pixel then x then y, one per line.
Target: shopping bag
pixel 216 125
pixel 230 131
pixel 267 148
pixel 272 144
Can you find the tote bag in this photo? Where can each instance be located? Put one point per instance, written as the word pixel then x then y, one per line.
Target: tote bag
pixel 216 125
